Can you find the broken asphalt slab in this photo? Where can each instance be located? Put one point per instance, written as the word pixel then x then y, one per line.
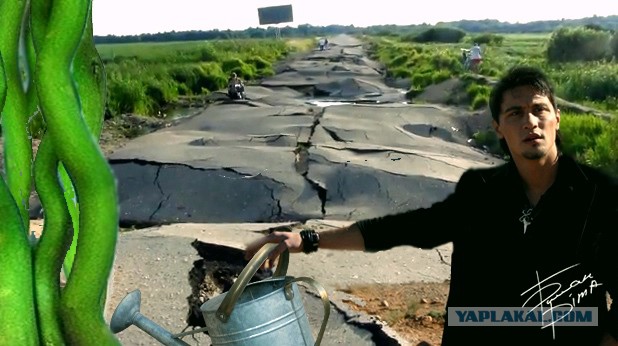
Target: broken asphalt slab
pixel 233 163
pixel 219 166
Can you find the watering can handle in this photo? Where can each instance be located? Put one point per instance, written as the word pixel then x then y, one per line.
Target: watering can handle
pixel 323 295
pixel 228 303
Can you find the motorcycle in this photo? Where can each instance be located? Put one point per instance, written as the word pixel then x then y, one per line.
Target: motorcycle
pixel 322 44
pixel 236 92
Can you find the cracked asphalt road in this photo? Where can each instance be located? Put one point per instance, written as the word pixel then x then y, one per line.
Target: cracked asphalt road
pixel 278 157
pixel 237 168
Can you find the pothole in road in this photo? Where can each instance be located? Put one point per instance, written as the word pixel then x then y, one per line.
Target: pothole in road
pixel 428 130
pixel 219 266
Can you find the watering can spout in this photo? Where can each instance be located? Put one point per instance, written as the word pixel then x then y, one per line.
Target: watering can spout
pixel 127 313
pixel 124 315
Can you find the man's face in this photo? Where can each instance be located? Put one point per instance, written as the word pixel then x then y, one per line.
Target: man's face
pixel 528 123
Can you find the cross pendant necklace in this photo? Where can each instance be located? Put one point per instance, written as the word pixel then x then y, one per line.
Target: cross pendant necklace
pixel 526 218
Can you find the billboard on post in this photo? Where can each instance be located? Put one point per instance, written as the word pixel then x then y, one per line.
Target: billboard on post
pixel 275 14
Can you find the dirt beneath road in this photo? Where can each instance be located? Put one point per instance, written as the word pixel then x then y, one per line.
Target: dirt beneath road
pixel 115 132
pixel 415 310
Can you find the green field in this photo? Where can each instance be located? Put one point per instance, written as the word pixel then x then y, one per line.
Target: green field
pixel 163 50
pixel 592 83
pixel 148 78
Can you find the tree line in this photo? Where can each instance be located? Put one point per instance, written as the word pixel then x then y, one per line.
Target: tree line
pixel 472 26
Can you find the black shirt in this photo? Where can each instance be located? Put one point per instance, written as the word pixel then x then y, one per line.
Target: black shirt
pixel 571 233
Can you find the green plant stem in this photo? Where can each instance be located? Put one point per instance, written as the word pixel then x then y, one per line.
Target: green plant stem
pixel 52 245
pixel 18 324
pixel 89 76
pixel 70 198
pixel 88 73
pixel 55 239
pixel 31 97
pixel 17 144
pixel 89 171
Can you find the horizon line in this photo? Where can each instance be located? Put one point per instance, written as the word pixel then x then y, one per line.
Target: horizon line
pixel 361 27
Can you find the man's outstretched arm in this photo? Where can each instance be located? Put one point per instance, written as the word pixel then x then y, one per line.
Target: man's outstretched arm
pixel 343 238
pixel 423 228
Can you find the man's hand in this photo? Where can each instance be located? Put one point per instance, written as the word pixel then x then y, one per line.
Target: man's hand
pixel 344 238
pixel 286 240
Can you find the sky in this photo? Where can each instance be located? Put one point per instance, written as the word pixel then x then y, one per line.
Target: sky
pixel 133 17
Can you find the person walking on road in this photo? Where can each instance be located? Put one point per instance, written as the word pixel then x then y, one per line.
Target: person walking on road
pixel 530 237
pixel 475 57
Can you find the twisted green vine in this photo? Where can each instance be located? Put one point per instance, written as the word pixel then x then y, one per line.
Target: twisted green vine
pixel 89 76
pixel 17 318
pixel 51 65
pixel 17 144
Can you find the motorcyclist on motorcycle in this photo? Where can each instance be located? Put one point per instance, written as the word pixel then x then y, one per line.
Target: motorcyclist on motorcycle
pixel 235 86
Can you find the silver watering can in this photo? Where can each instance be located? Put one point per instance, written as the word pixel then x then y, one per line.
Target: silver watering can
pixel 268 312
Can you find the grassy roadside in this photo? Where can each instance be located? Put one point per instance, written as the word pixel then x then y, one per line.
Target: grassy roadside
pixel 148 78
pixel 590 83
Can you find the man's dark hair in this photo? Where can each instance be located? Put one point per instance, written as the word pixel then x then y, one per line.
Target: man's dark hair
pixel 516 77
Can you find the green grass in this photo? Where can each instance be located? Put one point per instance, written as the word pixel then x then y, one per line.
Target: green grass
pixel 588 138
pixel 591 140
pixel 592 83
pixel 526 39
pixel 148 78
pixel 595 84
pixel 147 50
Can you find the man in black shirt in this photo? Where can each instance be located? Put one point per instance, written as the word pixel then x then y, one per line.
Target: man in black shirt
pixel 536 234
